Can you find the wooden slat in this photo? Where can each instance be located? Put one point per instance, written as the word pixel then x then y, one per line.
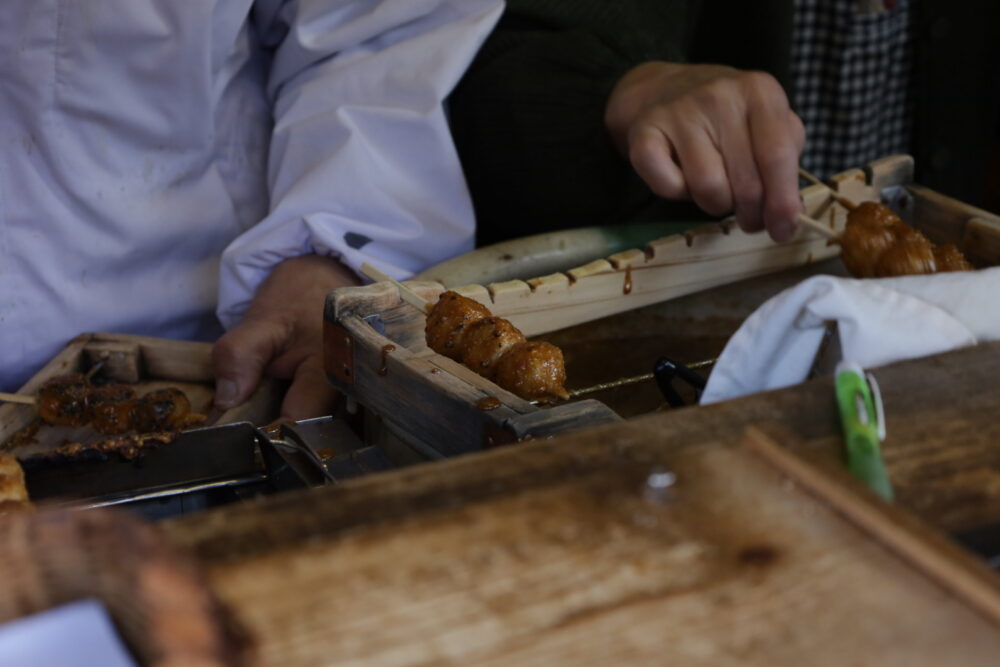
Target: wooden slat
pixel 627 258
pixel 508 295
pixel 596 268
pixel 674 270
pixel 853 185
pixel 890 170
pixel 551 287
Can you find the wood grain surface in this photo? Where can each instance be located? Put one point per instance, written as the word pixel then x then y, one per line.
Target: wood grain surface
pixel 554 551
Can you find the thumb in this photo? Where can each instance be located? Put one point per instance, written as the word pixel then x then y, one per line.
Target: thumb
pixel 310 394
pixel 239 359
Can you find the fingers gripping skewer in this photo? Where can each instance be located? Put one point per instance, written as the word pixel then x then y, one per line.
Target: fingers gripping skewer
pixel 405 293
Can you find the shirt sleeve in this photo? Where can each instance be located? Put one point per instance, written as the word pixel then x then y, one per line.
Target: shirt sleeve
pixel 362 166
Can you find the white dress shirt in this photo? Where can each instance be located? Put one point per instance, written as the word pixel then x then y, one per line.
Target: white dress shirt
pixel 140 140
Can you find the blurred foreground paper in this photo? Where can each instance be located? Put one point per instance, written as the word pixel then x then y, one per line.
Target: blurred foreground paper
pixel 79 634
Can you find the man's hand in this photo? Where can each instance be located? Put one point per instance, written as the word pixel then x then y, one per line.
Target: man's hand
pixel 282 336
pixel 725 138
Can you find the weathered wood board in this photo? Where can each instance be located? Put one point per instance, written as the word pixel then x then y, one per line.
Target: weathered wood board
pixel 560 551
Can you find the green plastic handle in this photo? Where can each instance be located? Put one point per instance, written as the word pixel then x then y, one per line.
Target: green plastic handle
pixel 859 419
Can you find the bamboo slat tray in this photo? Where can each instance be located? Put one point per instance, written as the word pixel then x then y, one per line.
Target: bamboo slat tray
pixel 375 350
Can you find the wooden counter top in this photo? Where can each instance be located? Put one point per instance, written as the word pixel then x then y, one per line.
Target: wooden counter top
pixel 555 551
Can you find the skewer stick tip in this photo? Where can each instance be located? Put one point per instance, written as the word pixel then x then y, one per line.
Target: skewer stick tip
pixel 17 398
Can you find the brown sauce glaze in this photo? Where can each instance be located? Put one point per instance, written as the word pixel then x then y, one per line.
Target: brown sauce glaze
pixel 627 285
pixel 384 369
pixel 487 403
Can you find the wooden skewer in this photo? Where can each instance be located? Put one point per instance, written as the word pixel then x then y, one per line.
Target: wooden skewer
pixel 843 201
pixel 818 227
pixel 17 398
pixel 408 295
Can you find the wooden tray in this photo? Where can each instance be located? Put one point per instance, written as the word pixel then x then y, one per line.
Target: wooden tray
pixel 147 363
pixel 376 353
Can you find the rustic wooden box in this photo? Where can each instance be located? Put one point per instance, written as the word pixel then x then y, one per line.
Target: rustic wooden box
pixel 376 352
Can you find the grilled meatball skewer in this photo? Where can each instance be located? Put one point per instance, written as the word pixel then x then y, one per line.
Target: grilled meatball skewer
pixel 464 330
pixel 495 348
pixel 112 409
pixel 876 243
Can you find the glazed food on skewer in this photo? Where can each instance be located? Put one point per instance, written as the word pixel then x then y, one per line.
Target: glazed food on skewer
pixel 950 258
pixel 448 322
pixel 113 409
pixel 463 329
pixel 64 400
pixel 486 342
pixel 876 243
pixel 161 410
pixel 533 370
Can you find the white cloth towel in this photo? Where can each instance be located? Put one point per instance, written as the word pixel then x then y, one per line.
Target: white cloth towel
pixel 879 322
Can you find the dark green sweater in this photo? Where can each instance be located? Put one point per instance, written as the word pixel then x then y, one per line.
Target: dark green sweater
pixel 528 116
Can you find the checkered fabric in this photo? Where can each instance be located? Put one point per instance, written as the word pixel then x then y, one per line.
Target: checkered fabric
pixel 851 62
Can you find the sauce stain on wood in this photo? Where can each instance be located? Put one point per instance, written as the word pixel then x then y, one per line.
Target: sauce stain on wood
pixel 758 555
pixel 487 403
pixel 384 369
pixel 627 286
